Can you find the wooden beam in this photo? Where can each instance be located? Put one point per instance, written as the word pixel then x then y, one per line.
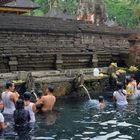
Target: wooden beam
pixel 17 10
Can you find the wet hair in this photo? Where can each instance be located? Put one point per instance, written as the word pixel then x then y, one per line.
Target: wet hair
pixel 128 80
pixel 39 93
pixel 19 104
pixel 119 85
pixel 27 95
pixel 51 88
pixel 133 76
pixel 9 84
pixel 101 98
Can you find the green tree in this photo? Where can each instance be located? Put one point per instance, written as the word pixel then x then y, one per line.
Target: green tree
pixel 44 7
pixel 125 12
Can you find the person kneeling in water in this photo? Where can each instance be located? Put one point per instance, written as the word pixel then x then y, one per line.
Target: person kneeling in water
pixel 47 100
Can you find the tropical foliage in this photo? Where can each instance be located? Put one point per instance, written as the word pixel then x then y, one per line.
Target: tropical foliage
pixel 125 12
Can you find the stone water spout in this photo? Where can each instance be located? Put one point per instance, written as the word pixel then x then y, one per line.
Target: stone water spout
pixel 30 84
pixel 86 91
pixel 79 81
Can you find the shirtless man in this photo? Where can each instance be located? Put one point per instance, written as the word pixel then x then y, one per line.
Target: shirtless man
pixel 47 100
pixel 9 98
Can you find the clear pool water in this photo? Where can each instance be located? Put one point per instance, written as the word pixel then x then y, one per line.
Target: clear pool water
pixel 83 120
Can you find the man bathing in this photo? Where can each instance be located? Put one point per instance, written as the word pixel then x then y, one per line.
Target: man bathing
pixel 47 100
pixel 9 98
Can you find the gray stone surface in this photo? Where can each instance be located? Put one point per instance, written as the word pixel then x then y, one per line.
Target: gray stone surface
pixel 35 42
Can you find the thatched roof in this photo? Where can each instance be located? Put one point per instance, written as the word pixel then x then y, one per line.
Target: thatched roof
pixel 21 4
pixel 45 24
pixel 57 13
pixel 4 1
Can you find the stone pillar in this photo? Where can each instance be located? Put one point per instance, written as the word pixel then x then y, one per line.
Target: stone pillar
pixel 94 60
pixel 13 63
pixel 59 61
pixel 134 50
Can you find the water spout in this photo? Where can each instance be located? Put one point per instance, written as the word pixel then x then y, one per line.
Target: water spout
pixel 86 91
pixel 35 95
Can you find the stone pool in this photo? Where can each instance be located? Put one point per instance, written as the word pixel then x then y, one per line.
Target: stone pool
pixel 83 120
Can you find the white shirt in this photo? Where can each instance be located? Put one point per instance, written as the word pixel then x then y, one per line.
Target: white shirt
pixel 1 118
pixel 32 114
pixel 120 97
pixel 9 106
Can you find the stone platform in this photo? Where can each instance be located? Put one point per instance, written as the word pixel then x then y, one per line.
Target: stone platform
pixel 63 81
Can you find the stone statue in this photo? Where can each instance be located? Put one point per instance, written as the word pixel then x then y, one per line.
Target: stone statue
pixel 92 11
pixel 84 11
pixel 99 12
pixel 79 79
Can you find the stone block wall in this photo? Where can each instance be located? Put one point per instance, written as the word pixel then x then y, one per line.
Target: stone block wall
pixel 44 44
pixel 134 50
pixel 39 51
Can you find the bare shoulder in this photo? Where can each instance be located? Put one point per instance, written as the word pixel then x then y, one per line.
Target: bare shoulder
pixel 14 94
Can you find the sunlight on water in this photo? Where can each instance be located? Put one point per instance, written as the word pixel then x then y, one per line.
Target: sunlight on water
pixel 105 137
pixel 43 138
pixel 125 136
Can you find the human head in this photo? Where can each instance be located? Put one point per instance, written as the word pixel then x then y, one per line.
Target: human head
pixel 119 85
pixel 129 80
pixel 132 77
pixel 101 99
pixel 10 85
pixel 50 88
pixel 39 93
pixel 19 104
pixel 27 96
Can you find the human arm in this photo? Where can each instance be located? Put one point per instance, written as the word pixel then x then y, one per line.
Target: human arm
pixel 1 105
pixel 138 87
pixel 14 97
pixel 39 103
pixel 2 124
pixel 34 107
pixel 114 97
pixel 125 93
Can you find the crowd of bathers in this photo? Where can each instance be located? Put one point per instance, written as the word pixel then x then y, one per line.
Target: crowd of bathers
pixel 20 110
pixel 124 92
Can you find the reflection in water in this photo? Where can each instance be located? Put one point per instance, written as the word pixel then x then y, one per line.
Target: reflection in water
pixel 49 117
pixel 84 120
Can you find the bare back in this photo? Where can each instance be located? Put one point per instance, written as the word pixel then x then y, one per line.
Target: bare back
pixel 48 102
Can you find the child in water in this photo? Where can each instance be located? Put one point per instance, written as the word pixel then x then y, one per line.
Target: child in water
pixel 101 102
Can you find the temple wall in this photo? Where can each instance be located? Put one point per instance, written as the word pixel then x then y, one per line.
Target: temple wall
pixel 134 50
pixel 26 50
pixel 38 43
